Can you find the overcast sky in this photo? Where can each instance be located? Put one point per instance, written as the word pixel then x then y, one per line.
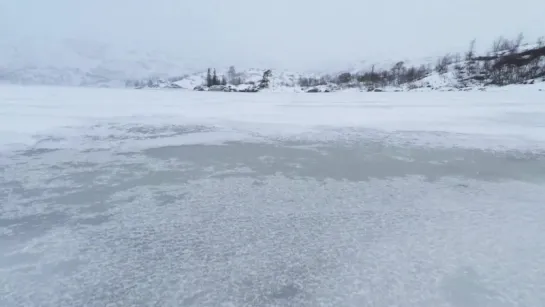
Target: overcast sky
pixel 296 34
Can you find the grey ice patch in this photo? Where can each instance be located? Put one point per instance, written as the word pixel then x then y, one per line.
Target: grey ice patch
pixel 269 291
pixel 144 132
pixel 33 152
pixel 32 226
pixel 170 130
pixel 465 288
pixel 92 220
pixel 361 162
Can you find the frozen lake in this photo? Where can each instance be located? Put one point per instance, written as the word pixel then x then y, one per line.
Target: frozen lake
pixel 172 198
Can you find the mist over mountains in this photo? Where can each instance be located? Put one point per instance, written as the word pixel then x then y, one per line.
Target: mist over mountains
pixel 84 63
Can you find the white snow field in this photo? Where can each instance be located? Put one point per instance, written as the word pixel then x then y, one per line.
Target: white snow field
pixel 115 197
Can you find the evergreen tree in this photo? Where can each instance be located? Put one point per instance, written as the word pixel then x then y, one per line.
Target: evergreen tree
pixel 264 82
pixel 215 80
pixel 223 80
pixel 209 78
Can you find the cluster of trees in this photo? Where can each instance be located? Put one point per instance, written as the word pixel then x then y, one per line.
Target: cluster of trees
pixel 213 79
pixel 232 78
pixel 309 81
pixel 252 87
pixel 397 75
pixel 152 82
pixel 505 63
pixel 141 83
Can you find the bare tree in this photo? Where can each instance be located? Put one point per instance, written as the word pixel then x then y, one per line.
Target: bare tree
pixel 541 41
pixel 502 44
pixel 518 42
pixel 457 58
pixel 443 63
pixel 345 77
pixel 232 74
pixel 397 71
pixel 470 54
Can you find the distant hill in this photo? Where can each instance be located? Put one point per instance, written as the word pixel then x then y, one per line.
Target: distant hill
pixel 80 63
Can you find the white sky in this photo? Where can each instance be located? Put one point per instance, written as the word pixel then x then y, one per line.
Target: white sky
pixel 297 34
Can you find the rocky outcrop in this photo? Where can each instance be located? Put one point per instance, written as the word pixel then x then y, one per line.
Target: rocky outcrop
pixel 222 88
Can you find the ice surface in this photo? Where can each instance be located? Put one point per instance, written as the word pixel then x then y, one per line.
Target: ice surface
pixel 509 118
pixel 161 198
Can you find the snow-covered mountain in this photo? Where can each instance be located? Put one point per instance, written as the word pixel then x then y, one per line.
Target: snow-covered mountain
pixel 81 63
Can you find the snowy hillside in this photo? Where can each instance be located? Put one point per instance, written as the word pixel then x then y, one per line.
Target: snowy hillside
pixel 363 66
pixel 82 63
pixel 508 63
pixel 280 81
pixel 283 81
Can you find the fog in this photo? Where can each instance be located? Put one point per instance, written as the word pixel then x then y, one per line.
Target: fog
pixel 299 34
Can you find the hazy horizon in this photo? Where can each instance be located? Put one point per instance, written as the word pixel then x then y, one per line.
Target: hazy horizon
pixel 303 35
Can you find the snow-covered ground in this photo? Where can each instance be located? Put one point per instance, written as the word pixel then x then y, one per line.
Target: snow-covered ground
pixel 289 82
pixel 117 197
pixel 281 81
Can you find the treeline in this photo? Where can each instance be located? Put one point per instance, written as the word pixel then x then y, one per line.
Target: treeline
pixel 508 61
pixel 232 78
pixel 153 82
pixel 397 75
